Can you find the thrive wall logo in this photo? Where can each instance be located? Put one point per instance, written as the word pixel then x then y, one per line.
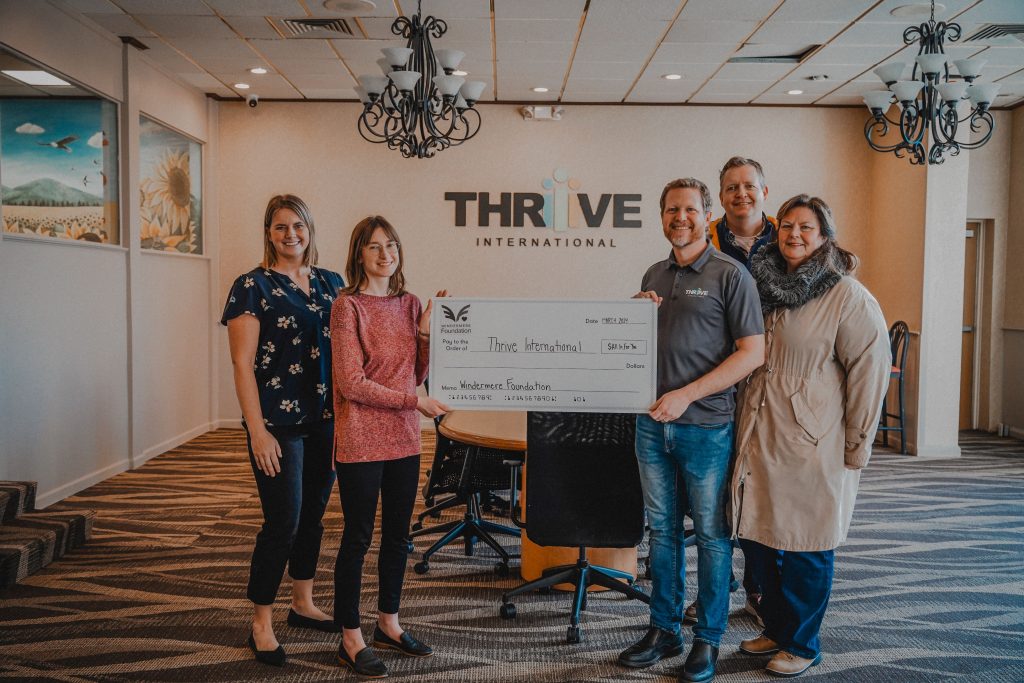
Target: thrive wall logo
pixel 559 207
pixel 460 317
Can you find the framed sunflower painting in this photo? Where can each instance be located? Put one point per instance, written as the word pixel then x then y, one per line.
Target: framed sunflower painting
pixel 170 189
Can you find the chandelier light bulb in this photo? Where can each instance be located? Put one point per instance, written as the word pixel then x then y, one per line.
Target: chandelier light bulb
pixel 878 100
pixel 397 57
pixel 891 72
pixel 982 94
pixel 952 92
pixel 448 86
pixel 471 90
pixel 449 59
pixel 906 91
pixel 931 65
pixel 969 68
pixel 374 85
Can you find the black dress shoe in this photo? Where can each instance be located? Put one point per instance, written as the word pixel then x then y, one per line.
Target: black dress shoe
pixel 407 645
pixel 366 663
pixel 274 657
pixel 700 663
pixel 652 648
pixel 298 621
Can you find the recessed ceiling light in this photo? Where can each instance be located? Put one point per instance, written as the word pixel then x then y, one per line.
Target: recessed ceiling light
pixel 36 77
pixel 242 86
pixel 918 9
pixel 672 77
pixel 350 7
pixel 794 92
pixel 258 70
pixel 460 72
pixel 539 89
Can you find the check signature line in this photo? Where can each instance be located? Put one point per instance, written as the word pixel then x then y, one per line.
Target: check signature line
pixel 515 367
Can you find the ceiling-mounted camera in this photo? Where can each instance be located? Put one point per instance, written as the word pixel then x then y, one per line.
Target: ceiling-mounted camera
pixel 252 100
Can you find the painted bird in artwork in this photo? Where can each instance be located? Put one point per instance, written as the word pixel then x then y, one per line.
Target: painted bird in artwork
pixel 60 144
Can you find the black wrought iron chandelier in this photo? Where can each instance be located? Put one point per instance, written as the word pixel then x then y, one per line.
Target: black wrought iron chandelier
pixel 414 108
pixel 930 101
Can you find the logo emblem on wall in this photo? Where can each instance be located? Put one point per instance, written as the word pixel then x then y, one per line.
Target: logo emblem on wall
pixel 460 317
pixel 561 207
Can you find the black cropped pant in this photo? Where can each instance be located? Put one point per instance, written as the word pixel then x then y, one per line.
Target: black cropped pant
pixel 359 486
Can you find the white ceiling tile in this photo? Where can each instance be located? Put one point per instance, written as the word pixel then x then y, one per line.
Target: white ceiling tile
pixel 268 85
pixel 837 73
pixel 465 31
pixel 689 72
pixel 599 84
pixel 580 96
pixel 534 52
pixel 310 67
pixel 818 32
pixel 260 8
pixel 605 70
pixel 693 53
pixel 810 87
pixel 537 30
pixel 710 31
pixel 842 100
pixel 883 11
pixel 365 50
pixel 203 81
pixel 379 28
pixel 200 49
pixel 538 9
pixel 655 97
pixel 319 82
pixel 181 7
pixel 180 26
pixel 821 10
pixel 293 49
pixel 253 27
pixel 94 6
pixel 720 98
pixel 749 71
pixel 1004 56
pixel 773 97
pixel 877 33
pixel 854 54
pixel 532 70
pixel 1017 77
pixel 385 8
pixel 449 9
pixel 751 88
pixel 754 10
pixel 858 88
pixel 121 25
pixel 330 94
pixel 996 11
pixel 773 49
pixel 603 51
pixel 629 30
pixel 994 73
pixel 646 10
pixel 162 54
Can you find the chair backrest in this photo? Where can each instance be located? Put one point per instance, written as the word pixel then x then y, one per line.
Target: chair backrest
pixel 899 337
pixel 582 480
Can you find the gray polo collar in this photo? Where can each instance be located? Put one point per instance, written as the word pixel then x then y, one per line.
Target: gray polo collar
pixel 697 265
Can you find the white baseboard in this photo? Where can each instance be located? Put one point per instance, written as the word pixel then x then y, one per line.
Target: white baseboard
pixel 48 498
pixel 230 423
pixel 173 442
pixel 938 452
pixel 1017 433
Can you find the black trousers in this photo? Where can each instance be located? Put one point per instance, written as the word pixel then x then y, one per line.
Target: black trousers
pixel 359 486
pixel 293 504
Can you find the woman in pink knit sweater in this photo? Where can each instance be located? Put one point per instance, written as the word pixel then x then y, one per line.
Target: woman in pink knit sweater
pixel 380 339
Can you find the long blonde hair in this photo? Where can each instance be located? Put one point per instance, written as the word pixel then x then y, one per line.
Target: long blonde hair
pixel 288 201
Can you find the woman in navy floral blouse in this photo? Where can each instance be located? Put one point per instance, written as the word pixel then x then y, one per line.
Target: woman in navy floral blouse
pixel 278 319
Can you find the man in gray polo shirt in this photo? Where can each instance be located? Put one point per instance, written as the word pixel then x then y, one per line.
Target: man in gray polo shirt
pixel 710 336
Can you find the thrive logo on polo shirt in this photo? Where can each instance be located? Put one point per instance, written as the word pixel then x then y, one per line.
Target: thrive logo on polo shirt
pixel 696 292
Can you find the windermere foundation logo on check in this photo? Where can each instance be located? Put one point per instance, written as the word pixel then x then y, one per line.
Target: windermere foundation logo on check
pixel 568 216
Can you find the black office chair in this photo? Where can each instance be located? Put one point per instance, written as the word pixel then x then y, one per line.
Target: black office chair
pixel 466 475
pixel 899 338
pixel 583 490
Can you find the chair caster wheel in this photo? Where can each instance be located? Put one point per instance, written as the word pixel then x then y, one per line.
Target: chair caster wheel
pixel 507 611
pixel 417 526
pixel 573 635
pixel 501 569
pixel 421 567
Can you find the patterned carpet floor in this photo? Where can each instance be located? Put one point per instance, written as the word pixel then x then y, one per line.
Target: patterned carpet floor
pixel 930 587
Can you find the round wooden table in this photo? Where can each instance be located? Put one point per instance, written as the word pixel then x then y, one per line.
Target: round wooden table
pixel 506 430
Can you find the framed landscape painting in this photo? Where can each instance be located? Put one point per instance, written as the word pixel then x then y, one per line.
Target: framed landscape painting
pixel 58 168
pixel 170 189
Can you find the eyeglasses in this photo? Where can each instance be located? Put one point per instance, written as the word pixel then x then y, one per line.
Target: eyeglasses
pixel 376 249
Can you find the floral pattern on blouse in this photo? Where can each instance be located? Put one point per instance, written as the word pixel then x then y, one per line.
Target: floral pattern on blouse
pixel 293 357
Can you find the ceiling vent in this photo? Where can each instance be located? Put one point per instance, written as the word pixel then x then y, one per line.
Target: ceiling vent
pixel 306 27
pixel 997 34
pixel 792 58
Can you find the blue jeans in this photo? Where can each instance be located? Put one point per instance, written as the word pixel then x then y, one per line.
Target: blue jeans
pixel 797 586
pixel 293 504
pixel 686 467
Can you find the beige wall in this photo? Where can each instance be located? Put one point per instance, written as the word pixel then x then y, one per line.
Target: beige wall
pixel 1013 303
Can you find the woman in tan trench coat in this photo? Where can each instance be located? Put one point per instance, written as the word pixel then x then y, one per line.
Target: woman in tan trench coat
pixel 806 420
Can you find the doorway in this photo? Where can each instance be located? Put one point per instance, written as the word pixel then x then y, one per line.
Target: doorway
pixel 969 347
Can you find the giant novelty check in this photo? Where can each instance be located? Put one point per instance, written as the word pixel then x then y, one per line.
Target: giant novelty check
pixel 509 354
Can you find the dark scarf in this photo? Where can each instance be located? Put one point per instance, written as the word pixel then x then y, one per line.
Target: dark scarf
pixel 814 277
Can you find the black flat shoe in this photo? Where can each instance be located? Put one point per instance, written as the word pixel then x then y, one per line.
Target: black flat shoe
pixel 298 621
pixel 273 657
pixel 366 663
pixel 407 645
pixel 700 663
pixel 655 646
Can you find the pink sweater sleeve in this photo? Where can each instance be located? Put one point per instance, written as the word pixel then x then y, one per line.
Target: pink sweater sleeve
pixel 347 362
